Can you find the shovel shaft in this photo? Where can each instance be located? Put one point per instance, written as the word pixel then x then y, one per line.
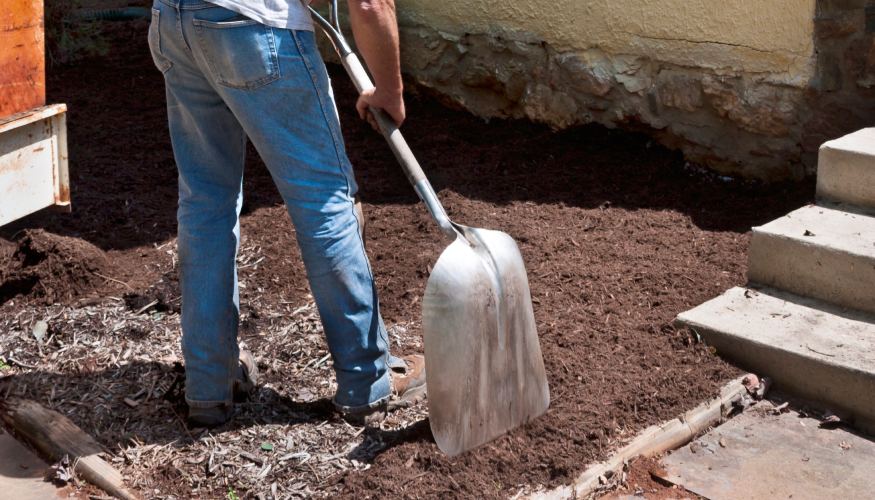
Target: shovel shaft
pixel 390 131
pixel 387 126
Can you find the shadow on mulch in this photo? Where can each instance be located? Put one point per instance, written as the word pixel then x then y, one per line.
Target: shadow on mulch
pixel 160 419
pixel 418 432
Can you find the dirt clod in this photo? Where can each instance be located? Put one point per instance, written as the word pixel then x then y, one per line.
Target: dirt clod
pixel 163 296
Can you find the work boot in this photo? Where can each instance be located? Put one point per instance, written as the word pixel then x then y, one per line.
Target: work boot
pixel 209 417
pixel 408 387
pixel 247 377
pixel 214 416
pixel 408 382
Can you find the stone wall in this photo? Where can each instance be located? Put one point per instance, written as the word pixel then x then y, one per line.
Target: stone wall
pixel 743 86
pixel 841 96
pixel 734 123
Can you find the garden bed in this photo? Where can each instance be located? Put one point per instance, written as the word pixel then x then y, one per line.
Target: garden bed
pixel 619 235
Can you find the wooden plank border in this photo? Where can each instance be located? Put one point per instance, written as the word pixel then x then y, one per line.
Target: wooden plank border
pixel 652 441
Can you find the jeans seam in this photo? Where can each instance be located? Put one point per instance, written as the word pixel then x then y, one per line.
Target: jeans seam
pixel 178 5
pixel 340 163
pixel 331 128
pixel 208 404
pixel 154 38
pixel 182 32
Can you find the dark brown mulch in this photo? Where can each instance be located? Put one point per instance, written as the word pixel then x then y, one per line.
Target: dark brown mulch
pixel 50 267
pixel 619 235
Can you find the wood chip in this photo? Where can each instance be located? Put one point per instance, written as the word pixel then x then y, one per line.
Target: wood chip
pixel 253 458
pixel 99 371
pixel 147 307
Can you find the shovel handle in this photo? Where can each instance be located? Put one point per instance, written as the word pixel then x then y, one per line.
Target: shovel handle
pixel 387 126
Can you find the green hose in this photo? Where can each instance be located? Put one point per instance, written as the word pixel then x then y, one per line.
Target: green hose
pixel 122 14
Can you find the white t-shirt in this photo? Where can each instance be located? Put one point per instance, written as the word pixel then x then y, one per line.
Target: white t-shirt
pixel 288 14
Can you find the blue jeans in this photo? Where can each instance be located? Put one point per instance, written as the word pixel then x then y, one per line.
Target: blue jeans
pixel 229 77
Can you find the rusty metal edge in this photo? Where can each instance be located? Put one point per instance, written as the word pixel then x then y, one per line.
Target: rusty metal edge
pixel 27 117
pixel 62 169
pixel 55 118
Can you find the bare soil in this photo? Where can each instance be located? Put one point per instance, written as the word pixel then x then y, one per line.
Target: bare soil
pixel 640 481
pixel 619 236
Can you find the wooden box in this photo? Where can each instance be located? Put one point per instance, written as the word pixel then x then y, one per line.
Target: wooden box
pixel 22 56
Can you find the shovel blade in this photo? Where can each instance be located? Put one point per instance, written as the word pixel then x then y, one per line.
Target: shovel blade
pixel 484 365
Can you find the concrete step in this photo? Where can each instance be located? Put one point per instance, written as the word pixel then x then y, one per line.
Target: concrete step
pixel 825 252
pixel 808 347
pixel 846 169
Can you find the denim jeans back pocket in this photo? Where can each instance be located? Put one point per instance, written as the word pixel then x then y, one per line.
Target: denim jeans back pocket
pixel 241 53
pixel 161 62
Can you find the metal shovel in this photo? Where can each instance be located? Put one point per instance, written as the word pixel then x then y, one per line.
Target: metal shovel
pixel 483 363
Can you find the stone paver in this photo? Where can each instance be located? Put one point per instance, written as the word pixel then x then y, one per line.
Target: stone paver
pixel 758 455
pixel 22 472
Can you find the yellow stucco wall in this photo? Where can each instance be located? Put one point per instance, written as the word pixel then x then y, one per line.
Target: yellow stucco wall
pixel 773 37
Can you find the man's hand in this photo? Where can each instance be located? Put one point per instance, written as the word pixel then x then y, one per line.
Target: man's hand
pixel 376 34
pixel 392 104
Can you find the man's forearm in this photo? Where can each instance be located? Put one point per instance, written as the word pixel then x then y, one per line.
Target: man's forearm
pixel 376 34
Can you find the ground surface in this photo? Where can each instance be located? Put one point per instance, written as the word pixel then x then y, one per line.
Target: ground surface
pixel 641 482
pixel 774 450
pixel 22 473
pixel 618 235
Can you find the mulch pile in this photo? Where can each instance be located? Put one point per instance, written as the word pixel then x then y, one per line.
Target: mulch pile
pixel 619 236
pixel 50 267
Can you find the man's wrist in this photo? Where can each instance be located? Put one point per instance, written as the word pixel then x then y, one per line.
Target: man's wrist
pixel 390 91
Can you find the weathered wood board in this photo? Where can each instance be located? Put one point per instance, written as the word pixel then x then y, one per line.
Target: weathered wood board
pixel 54 435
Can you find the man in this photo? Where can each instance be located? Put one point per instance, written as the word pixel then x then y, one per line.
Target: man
pixel 238 68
